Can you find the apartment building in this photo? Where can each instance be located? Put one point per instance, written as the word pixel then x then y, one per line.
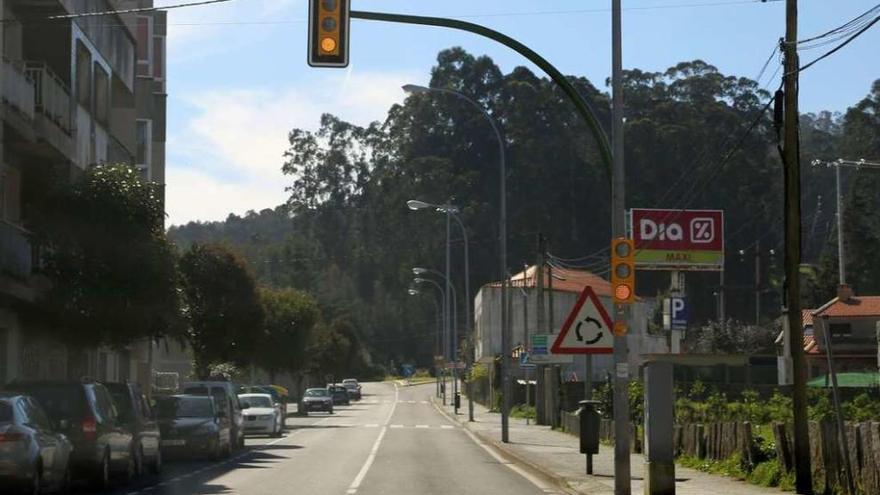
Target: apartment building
pixel 77 91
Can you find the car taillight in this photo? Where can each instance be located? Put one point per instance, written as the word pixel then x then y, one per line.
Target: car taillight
pixel 12 437
pixel 89 428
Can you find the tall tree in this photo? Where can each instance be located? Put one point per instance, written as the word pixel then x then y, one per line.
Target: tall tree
pixel 112 271
pixel 222 305
pixel 290 317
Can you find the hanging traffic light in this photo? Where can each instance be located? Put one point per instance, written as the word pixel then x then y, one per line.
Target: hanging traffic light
pixel 623 271
pixel 328 33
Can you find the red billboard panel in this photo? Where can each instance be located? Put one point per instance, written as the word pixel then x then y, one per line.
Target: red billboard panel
pixel 678 239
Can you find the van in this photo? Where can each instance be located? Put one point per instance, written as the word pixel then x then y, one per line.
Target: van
pixel 225 396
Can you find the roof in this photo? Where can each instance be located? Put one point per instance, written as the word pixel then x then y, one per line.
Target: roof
pixel 807 317
pixel 855 306
pixel 574 280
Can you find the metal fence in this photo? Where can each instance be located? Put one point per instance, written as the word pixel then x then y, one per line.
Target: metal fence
pixel 51 97
pixel 18 89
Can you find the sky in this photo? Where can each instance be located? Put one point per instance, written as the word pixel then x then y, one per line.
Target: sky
pixel 238 81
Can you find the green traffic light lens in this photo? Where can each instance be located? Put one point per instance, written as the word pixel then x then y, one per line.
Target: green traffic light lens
pixel 328 24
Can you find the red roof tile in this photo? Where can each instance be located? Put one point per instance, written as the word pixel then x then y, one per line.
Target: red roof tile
pixel 807 317
pixel 575 280
pixel 853 307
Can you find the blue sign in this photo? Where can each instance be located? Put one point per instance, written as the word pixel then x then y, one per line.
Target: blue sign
pixel 524 361
pixel 408 370
pixel 679 313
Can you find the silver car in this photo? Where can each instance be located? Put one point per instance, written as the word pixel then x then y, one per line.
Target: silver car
pixel 33 456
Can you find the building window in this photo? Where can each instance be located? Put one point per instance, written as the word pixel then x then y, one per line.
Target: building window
pixel 102 95
pixel 143 160
pixel 83 75
pixel 144 46
pixel 840 330
pixel 159 57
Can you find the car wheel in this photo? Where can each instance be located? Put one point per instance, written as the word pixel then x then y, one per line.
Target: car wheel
pixel 101 481
pixel 139 462
pixel 130 466
pixel 36 485
pixel 156 466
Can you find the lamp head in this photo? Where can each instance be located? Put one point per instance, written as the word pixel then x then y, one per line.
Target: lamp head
pixel 415 89
pixel 415 204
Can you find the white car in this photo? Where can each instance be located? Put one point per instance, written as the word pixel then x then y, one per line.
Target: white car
pixel 262 416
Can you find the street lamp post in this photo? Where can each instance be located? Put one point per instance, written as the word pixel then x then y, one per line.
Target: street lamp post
pixel 441 348
pixel 453 211
pixel 502 231
pixel 439 319
pixel 452 323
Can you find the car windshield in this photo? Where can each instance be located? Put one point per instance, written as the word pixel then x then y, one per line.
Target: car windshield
pixel 350 385
pixel 6 412
pixel 121 398
pixel 185 407
pixel 316 392
pixel 256 401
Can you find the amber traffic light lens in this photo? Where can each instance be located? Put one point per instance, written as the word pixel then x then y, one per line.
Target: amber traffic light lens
pixel 328 44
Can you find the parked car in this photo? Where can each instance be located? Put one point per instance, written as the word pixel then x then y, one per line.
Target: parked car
pixel 339 394
pixel 226 396
pixel 353 388
pixel 193 425
pixel 136 414
pixel 279 400
pixel 86 414
pixel 262 416
pixel 316 399
pixel 34 456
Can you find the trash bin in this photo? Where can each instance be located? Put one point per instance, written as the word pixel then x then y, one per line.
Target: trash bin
pixel 588 415
pixel 457 400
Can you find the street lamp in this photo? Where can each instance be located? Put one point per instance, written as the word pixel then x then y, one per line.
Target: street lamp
pixel 453 297
pixel 453 211
pixel 502 230
pixel 419 280
pixel 416 292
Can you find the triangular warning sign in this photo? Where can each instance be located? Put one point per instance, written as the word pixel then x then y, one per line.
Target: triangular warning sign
pixel 587 330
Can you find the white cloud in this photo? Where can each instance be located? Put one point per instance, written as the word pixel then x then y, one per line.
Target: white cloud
pixel 228 156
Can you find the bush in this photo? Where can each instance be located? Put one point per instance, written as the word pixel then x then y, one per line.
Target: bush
pixel 767 473
pixel 522 411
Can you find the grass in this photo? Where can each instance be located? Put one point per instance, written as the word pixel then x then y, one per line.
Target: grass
pixel 522 411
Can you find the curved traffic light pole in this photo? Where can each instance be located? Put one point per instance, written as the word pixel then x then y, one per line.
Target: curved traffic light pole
pixel 579 102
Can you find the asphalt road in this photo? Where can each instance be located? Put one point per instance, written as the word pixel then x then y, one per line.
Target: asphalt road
pixel 394 441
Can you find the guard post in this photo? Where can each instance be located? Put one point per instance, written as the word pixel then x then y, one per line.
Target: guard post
pixel 588 416
pixel 659 450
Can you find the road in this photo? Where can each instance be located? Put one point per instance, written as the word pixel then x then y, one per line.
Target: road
pixel 394 441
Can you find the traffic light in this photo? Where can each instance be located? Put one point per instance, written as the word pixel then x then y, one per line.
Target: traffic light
pixel 623 271
pixel 328 33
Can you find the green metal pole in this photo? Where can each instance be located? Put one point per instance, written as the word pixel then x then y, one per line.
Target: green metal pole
pixel 579 102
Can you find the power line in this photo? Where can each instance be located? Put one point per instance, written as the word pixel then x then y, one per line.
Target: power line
pixel 841 45
pixel 847 27
pixel 136 10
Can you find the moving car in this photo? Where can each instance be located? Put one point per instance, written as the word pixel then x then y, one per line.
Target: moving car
pixel 193 425
pixel 262 416
pixel 86 414
pixel 339 394
pixel 316 399
pixel 33 456
pixel 353 388
pixel 279 400
pixel 226 396
pixel 136 414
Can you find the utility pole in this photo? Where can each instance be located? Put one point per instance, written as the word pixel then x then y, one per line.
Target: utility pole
pixel 791 166
pixel 622 483
pixel 758 282
pixel 841 259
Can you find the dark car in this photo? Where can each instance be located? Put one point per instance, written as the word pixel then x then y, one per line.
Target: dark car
pixel 86 414
pixel 135 413
pixel 353 388
pixel 339 394
pixel 316 399
pixel 33 456
pixel 225 395
pixel 193 425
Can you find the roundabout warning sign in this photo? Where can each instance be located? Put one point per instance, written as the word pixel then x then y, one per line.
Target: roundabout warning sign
pixel 587 330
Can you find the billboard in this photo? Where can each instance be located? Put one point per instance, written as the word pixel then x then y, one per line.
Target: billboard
pixel 678 239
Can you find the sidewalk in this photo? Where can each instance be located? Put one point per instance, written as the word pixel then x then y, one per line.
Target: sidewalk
pixel 556 455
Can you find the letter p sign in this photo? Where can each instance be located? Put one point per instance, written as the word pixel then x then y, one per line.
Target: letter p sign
pixel 679 313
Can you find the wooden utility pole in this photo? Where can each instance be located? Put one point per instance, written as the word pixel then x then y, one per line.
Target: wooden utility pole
pixel 792 172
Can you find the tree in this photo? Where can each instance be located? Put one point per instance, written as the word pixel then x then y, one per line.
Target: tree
pixel 333 350
pixel 113 273
pixel 290 317
pixel 732 338
pixel 222 305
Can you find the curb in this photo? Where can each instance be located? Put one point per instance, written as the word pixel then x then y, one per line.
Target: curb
pixel 552 478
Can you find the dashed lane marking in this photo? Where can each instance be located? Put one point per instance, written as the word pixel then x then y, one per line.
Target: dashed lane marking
pixel 352 489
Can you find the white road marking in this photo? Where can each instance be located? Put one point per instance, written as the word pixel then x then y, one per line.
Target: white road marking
pixel 352 489
pixel 396 426
pixel 422 426
pixel 371 425
pixel 447 427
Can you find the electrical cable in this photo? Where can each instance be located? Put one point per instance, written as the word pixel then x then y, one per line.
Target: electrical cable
pixel 840 46
pixel 136 10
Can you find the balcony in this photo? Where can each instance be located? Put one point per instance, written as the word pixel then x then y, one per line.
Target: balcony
pixel 51 95
pixel 18 89
pixel 16 253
